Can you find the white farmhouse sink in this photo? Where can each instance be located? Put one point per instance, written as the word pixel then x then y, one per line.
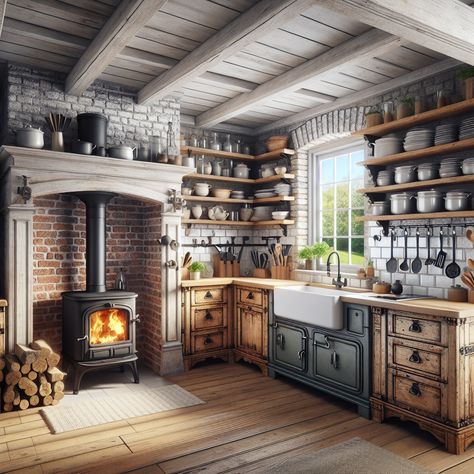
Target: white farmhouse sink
pixel 309 304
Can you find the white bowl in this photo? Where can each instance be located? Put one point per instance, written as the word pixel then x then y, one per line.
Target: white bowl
pixel 279 215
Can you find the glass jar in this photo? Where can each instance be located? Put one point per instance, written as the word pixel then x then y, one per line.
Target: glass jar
pixel 193 140
pixel 215 143
pixel 204 141
pixel 237 147
pixel 227 143
pixel 387 112
pixel 156 149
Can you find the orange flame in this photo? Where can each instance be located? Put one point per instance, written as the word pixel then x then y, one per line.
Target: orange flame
pixel 108 325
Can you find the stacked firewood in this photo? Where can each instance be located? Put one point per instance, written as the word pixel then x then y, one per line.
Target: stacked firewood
pixel 30 377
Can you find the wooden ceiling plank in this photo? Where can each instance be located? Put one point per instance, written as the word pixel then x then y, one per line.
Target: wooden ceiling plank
pixel 444 25
pixel 3 7
pixel 359 96
pixel 367 45
pixel 146 58
pixel 316 96
pixel 124 23
pixel 254 23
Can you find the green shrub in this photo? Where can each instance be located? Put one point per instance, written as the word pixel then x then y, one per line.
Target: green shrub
pixel 197 267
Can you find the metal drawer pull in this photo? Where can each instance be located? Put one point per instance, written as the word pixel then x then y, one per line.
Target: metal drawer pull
pixel 136 319
pixel 208 340
pixel 415 327
pixel 79 339
pixel 335 360
pixel 208 316
pixel 415 358
pixel 280 340
pixel 415 390
pixel 208 295
pixel 301 354
pixel 250 296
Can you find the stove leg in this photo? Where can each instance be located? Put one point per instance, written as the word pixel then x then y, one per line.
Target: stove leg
pixel 78 374
pixel 134 367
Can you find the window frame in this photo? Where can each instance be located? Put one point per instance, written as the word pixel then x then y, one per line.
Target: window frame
pixel 315 155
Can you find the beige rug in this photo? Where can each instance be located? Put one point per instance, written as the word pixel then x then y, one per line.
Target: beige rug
pixel 116 405
pixel 355 456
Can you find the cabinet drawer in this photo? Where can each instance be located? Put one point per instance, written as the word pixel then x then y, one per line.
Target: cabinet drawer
pixel 250 296
pixel 418 393
pixel 426 359
pixel 201 342
pixel 210 317
pixel 210 295
pixel 412 326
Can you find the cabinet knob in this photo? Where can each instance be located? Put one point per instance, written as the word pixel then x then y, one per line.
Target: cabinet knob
pixel 415 327
pixel 250 296
pixel 208 340
pixel 208 316
pixel 208 295
pixel 415 358
pixel 415 390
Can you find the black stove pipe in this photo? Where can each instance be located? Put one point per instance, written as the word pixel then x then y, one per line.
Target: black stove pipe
pixel 96 203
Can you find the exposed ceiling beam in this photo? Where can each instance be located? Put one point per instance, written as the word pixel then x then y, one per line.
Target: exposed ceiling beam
pixel 3 6
pixel 367 45
pixel 263 17
pixel 444 26
pixel 129 17
pixel 317 96
pixel 359 96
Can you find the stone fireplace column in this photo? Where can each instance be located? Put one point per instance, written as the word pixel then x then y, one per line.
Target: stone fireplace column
pixel 19 273
pixel 172 347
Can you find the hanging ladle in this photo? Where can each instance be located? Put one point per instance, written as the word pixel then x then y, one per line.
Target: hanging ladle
pixel 453 270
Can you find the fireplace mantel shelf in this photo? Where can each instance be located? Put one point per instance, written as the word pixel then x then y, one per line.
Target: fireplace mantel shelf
pixel 51 172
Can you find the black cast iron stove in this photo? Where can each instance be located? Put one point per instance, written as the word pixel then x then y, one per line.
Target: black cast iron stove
pixel 98 325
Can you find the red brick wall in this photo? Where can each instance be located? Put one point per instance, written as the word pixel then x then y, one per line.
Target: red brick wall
pixel 59 235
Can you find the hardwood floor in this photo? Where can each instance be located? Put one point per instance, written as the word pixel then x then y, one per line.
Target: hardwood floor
pixel 249 422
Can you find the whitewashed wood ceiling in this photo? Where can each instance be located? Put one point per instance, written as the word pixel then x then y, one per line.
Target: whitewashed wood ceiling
pixel 265 75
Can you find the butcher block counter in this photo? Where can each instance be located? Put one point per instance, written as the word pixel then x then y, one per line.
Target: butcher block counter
pixel 262 283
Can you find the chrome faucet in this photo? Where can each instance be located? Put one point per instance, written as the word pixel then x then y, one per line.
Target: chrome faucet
pixel 338 283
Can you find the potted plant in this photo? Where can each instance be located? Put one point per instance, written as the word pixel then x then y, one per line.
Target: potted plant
pixel 467 75
pixel 195 270
pixel 405 107
pixel 370 272
pixel 320 249
pixel 310 252
pixel 373 117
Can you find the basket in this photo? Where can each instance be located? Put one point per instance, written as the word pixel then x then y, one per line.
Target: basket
pixel 276 142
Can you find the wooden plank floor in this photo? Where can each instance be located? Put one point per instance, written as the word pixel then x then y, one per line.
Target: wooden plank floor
pixel 249 422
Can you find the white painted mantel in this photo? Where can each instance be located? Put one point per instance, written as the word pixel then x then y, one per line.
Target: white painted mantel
pixel 50 172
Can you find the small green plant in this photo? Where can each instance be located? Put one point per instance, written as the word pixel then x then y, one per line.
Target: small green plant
pixel 309 252
pixel 306 253
pixel 466 72
pixel 409 101
pixel 373 110
pixel 370 263
pixel 197 267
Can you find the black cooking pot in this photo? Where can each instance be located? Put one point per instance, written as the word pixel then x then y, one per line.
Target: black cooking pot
pixel 92 127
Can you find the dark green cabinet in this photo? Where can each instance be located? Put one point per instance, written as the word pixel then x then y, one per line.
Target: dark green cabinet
pixel 290 346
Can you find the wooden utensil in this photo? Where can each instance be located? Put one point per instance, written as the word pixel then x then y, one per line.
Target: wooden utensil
pixel 470 263
pixel 278 254
pixel 470 235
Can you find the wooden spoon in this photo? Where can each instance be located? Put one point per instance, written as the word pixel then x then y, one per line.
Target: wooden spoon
pixel 470 263
pixel 470 235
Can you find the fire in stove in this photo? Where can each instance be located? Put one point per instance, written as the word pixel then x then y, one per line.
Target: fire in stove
pixel 108 325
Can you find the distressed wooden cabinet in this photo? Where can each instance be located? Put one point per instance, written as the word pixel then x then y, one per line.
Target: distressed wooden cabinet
pixel 251 326
pixel 423 371
pixel 207 328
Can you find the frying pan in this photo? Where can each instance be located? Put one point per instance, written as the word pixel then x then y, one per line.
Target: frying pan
pixel 453 270
pixel 404 267
pixel 441 258
pixel 391 264
pixel 417 263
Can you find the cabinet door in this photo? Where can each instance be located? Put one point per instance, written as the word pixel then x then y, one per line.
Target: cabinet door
pixel 251 331
pixel 289 346
pixel 337 361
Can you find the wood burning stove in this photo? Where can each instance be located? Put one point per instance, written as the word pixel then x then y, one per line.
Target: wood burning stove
pixel 98 325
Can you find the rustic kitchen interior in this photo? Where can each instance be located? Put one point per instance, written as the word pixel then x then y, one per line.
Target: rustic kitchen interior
pixel 237 236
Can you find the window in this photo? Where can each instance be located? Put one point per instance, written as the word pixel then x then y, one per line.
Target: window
pixel 335 178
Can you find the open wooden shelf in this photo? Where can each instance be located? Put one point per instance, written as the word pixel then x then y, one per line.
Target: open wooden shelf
pixel 429 116
pixel 270 155
pixel 274 199
pixel 238 223
pixel 225 179
pixel 418 184
pixel 416 216
pixel 216 153
pixel 422 153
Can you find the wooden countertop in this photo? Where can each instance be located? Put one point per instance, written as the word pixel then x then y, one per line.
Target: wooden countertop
pixel 3 303
pixel 428 306
pixel 264 283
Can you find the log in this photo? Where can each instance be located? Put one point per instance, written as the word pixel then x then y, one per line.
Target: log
pixel 25 354
pixel 53 359
pixel 58 386
pixel 55 375
pixel 43 347
pixel 2 363
pixel 8 407
pixel 16 398
pixel 47 400
pixel 25 368
pixel 9 395
pixel 12 378
pixel 40 365
pixel 54 402
pixel 34 400
pixel 24 404
pixel 13 365
pixel 44 386
pixel 32 375
pixel 28 386
pixel 58 396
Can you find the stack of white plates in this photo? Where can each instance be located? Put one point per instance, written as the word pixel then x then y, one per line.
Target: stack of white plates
pixel 449 167
pixel 282 189
pixel 418 138
pixel 264 193
pixel 262 213
pixel 388 145
pixel 467 129
pixel 446 133
pixel 237 194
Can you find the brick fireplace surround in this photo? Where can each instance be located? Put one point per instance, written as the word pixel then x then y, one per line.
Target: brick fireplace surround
pixel 45 242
